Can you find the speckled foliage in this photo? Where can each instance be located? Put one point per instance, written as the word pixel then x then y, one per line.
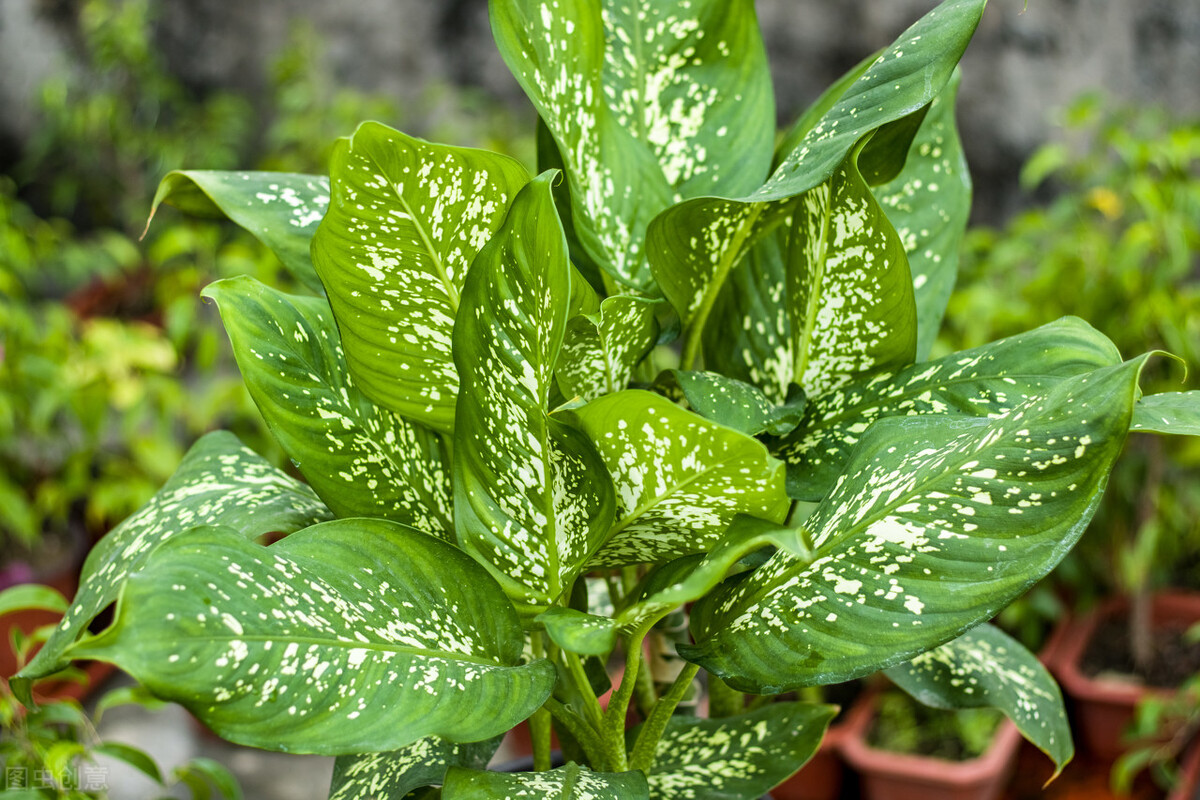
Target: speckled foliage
pixel 682 366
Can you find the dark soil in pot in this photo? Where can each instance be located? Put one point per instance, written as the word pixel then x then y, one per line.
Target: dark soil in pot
pixel 1110 656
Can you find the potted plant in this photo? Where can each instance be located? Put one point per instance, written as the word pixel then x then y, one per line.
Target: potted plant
pixel 478 404
pixel 1162 741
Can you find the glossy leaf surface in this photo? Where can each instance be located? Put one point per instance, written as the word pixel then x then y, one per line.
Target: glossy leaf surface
pixel 738 405
pixel 985 381
pixel 679 478
pixel 406 219
pixel 363 460
pixel 987 667
pixel 219 482
pixel 531 496
pixel 381 776
pixel 1169 412
pixel 570 782
pixel 280 209
pixel 601 349
pixel 937 525
pixel 352 636
pixel 577 632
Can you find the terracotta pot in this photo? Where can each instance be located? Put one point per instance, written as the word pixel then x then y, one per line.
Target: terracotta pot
pixel 1189 775
pixel 899 776
pixel 1102 708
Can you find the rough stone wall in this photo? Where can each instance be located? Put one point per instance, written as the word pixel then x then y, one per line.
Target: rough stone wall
pixel 1022 65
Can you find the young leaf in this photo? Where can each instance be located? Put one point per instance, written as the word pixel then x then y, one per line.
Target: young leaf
pixel 985 381
pixel 738 405
pixel 394 774
pixel 647 103
pixel 849 291
pixel 736 758
pixel 571 782
pixel 679 478
pixel 1169 412
pixel 600 350
pixel 362 460
pixel 280 209
pixel 530 494
pixel 219 482
pixel 134 757
pixel 987 667
pixel 577 632
pixel 406 220
pixel 352 636
pixel 929 203
pixel 30 597
pixel 937 525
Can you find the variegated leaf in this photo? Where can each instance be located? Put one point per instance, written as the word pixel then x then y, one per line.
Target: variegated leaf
pixel 600 350
pixel 986 381
pixel 577 632
pixel 219 482
pixel 571 782
pixel 362 460
pixel 693 246
pixel 392 775
pixel 647 103
pixel 531 497
pixel 987 667
pixel 929 203
pixel 352 636
pixel 850 295
pixel 679 478
pixel 738 405
pixel 406 220
pixel 937 524
pixel 281 209
pixel 736 758
pixel 1169 412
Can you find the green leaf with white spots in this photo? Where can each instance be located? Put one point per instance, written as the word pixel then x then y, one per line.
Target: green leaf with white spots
pixel 987 667
pixel 384 776
pixel 600 350
pixel 362 460
pixel 929 203
pixel 985 381
pixel 577 632
pixel 352 636
pixel 531 496
pixel 738 405
pixel 280 209
pixel 406 219
pixel 570 782
pixel 849 291
pixel 1169 412
pixel 219 482
pixel 647 103
pixel 680 479
pixel 736 758
pixel 936 525
pixel 694 245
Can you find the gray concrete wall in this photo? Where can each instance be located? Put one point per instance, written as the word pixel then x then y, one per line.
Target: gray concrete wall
pixel 1022 65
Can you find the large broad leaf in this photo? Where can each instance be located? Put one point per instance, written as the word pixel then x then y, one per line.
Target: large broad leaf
pixel 406 220
pixel 679 478
pixel 986 381
pixel 531 496
pixel 929 203
pixel 987 667
pixel 647 103
pixel 1169 412
pixel 736 758
pixel 219 482
pixel 738 405
pixel 571 782
pixel 383 776
pixel 281 209
pixel 850 295
pixel 694 245
pixel 352 636
pixel 363 460
pixel 937 524
pixel 600 350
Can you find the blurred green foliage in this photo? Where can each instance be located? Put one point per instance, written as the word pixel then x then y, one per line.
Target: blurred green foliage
pixel 903 725
pixel 1119 246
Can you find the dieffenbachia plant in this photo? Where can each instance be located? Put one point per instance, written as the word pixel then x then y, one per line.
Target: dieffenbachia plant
pixel 535 415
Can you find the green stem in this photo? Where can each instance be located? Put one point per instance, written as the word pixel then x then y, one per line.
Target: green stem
pixel 723 701
pixel 587 736
pixel 539 723
pixel 645 694
pixel 584 687
pixel 646 748
pixel 613 731
pixel 732 254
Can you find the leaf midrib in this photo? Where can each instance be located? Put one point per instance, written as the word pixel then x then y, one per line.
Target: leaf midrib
pixel 816 288
pixel 451 290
